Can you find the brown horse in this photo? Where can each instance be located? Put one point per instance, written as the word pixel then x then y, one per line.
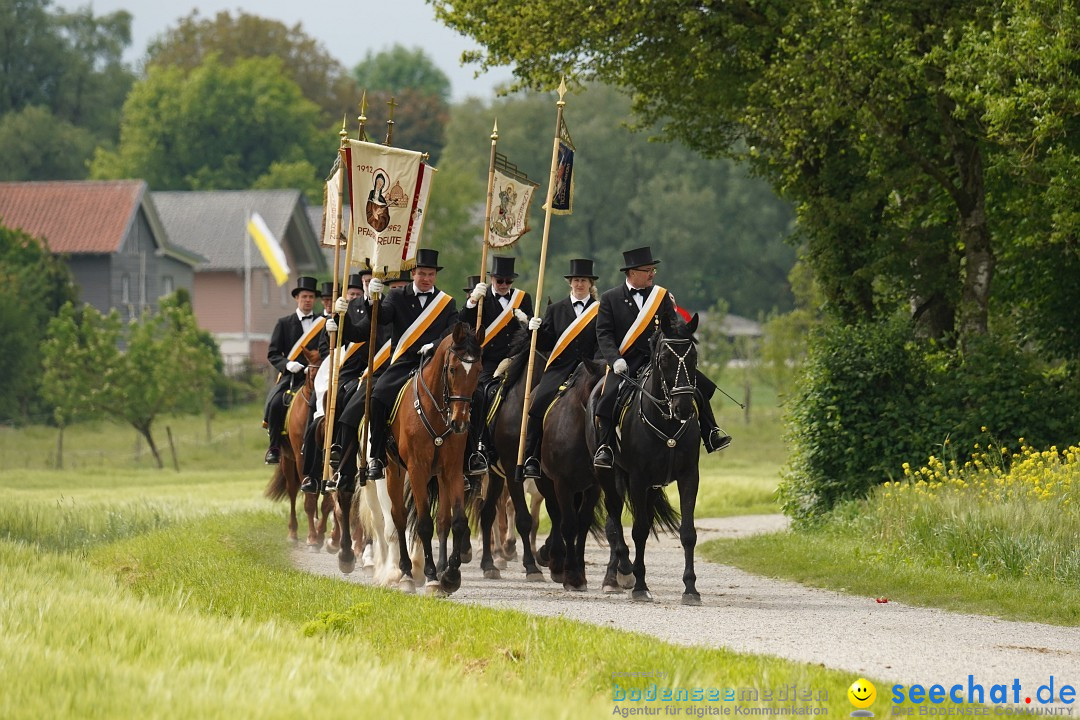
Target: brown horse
pixel 286 479
pixel 429 433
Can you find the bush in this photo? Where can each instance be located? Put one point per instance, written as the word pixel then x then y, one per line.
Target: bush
pixel 874 397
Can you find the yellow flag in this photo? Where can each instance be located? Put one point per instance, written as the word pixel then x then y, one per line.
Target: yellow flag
pixel 269 247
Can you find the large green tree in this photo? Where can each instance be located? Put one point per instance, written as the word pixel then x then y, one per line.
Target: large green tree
pixel 216 127
pixel 887 124
pixel 322 79
pixel 134 372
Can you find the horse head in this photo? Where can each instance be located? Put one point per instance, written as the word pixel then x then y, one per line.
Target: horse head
pixel 674 364
pixel 461 371
pixel 313 360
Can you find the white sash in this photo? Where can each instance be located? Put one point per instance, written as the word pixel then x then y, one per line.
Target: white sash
pixel 348 351
pixel 571 332
pixel 434 308
pixel 644 317
pixel 496 326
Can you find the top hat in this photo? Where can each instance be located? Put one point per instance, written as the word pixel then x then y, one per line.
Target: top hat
pixel 428 258
pixel 306 283
pixel 327 290
pixel 580 267
pixel 638 257
pixel 502 266
pixel 356 280
pixel 470 283
pixel 403 276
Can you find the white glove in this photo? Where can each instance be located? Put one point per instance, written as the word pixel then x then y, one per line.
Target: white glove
pixel 427 346
pixel 330 326
pixel 478 292
pixel 521 316
pixel 534 324
pixel 341 305
pixel 375 287
pixel 293 366
pixel 620 366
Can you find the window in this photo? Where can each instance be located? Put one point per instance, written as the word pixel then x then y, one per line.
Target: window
pixel 167 285
pixel 125 289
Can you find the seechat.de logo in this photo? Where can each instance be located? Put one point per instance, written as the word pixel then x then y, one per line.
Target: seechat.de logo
pixel 862 695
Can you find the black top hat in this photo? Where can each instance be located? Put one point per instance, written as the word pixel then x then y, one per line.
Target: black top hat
pixel 306 283
pixel 428 258
pixel 356 280
pixel 502 266
pixel 364 270
pixel 402 276
pixel 638 257
pixel 580 267
pixel 327 290
pixel 470 283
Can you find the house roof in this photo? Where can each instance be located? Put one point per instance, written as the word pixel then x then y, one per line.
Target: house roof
pixel 213 224
pixel 84 216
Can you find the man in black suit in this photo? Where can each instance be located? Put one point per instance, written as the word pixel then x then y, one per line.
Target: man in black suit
pixel 285 354
pixel 568 334
pixel 505 312
pixel 626 320
pixel 419 315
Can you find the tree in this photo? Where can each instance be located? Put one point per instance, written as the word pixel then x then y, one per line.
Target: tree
pixel 872 118
pixel 399 69
pixel 34 284
pixel 164 367
pixel 216 127
pixel 40 146
pixel 321 78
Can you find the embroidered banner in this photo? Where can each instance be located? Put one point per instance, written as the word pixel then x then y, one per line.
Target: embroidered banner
pixel 384 184
pixel 562 199
pixel 512 195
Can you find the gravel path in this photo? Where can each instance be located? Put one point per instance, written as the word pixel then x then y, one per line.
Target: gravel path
pixel 761 615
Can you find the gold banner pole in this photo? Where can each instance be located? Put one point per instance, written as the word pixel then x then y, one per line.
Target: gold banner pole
pixel 487 223
pixel 540 279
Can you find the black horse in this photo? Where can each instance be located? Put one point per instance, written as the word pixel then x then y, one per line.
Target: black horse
pixel 658 445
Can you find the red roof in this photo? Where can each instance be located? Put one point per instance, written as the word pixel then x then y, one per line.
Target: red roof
pixel 73 217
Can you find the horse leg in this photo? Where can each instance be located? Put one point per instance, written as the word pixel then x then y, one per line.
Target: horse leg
pixel 493 506
pixel 641 500
pixel 507 531
pixel 311 509
pixel 327 509
pixel 442 525
pixel 346 555
pixel 546 492
pixel 395 484
pixel 556 544
pixel 536 499
pixel 619 571
pixel 425 527
pixel 452 498
pixel 688 537
pixel 573 577
pixel 292 486
pixel 575 569
pixel 523 520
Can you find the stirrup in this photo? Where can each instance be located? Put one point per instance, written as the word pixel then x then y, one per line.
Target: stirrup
pixel 604 457
pixel 477 464
pixel 310 486
pixel 375 469
pixel 716 440
pixel 531 469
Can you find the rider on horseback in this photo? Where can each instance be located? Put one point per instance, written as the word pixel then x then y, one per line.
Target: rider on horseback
pixel 567 334
pixel 628 315
pixel 419 315
pixel 291 335
pixel 502 304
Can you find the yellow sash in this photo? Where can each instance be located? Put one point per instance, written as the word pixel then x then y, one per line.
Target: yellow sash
pixel 313 331
pixel 644 317
pixel 379 360
pixel 421 324
pixel 573 331
pixel 349 351
pixel 496 326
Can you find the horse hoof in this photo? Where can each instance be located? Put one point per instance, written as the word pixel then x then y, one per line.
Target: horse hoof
pixel 534 576
pixel 332 547
pixel 406 585
pixel 557 577
pixel 492 574
pixel 437 591
pixel 466 556
pixel 500 563
pixel 346 566
pixel 450 580
pixel 613 589
pixel 314 547
pixel 641 596
pixel 369 570
pixel 625 581
pixel 294 540
pixel 691 599
pixel 583 587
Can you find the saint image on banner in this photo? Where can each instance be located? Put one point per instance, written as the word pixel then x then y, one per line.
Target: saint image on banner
pixel 378 214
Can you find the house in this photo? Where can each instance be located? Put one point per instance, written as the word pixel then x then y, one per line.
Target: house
pixel 214 225
pixel 109 233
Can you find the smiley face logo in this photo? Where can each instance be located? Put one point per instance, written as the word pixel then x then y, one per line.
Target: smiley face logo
pixel 862 693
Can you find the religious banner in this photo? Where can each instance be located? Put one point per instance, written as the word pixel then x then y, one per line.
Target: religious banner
pixel 385 184
pixel 562 199
pixel 513 193
pixel 416 222
pixel 332 219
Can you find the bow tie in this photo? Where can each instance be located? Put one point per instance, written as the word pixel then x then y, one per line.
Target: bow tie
pixel 643 292
pixel 307 317
pixel 579 303
pixel 427 294
pixel 502 297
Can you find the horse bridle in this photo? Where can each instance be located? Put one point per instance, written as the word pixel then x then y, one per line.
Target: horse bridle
pixel 444 409
pixel 669 392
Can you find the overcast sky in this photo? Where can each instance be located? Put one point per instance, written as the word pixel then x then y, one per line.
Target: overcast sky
pixel 408 22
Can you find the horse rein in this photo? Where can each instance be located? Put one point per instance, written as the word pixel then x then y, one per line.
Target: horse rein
pixel 670 392
pixel 448 399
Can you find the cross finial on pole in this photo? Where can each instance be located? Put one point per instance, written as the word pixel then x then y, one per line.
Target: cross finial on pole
pixel 390 121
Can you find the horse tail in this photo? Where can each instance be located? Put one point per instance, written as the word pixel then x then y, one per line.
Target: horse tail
pixel 276 489
pixel 412 517
pixel 596 524
pixel 474 505
pixel 664 516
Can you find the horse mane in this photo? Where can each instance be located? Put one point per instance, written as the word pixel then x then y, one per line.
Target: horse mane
pixel 518 352
pixel 469 345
